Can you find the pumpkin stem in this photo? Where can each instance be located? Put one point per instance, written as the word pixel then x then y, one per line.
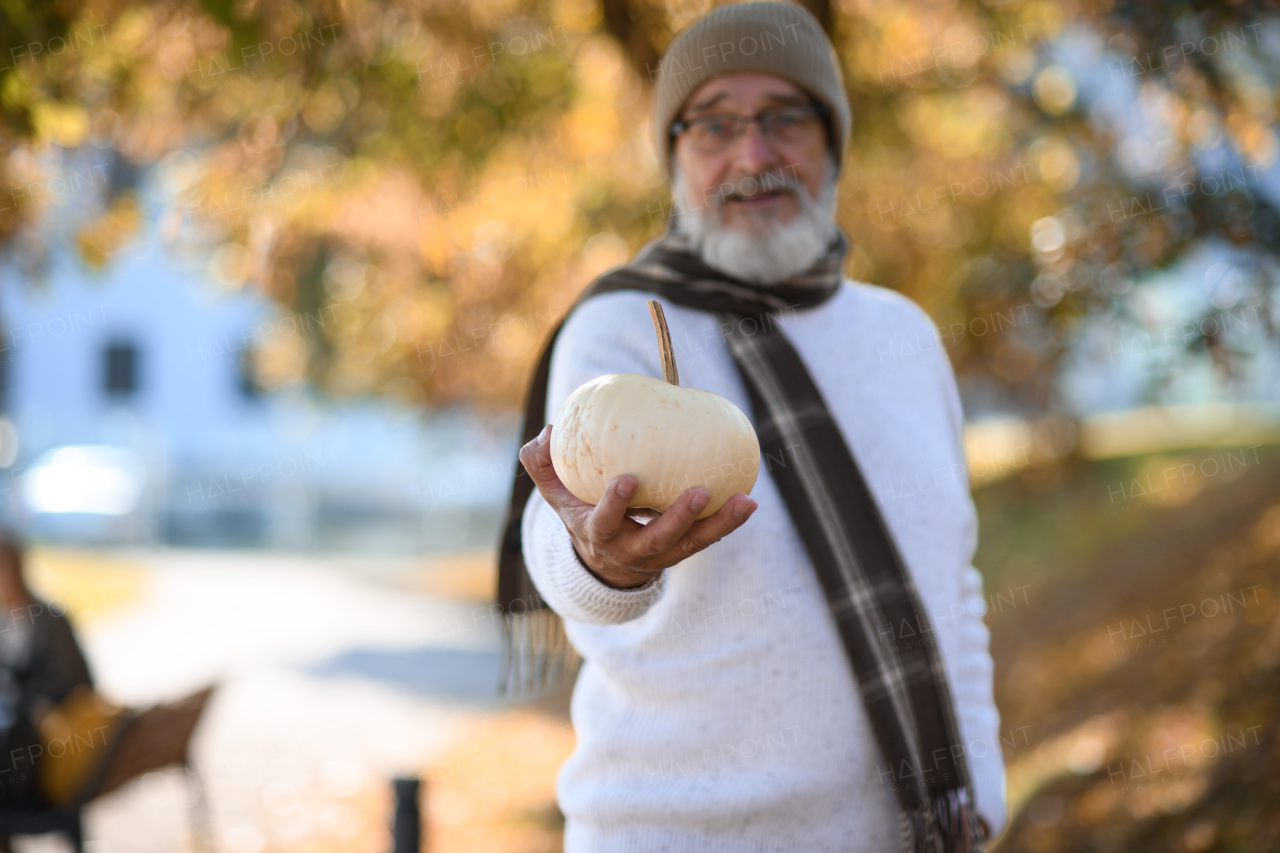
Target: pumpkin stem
pixel 665 352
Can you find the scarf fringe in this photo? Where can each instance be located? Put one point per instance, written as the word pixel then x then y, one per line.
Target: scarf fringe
pixel 536 654
pixel 948 825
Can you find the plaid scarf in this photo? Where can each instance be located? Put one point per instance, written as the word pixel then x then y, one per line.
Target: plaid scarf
pixel 868 587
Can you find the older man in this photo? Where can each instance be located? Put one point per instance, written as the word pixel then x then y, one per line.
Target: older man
pixel 806 669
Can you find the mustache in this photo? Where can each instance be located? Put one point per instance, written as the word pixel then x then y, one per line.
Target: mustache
pixel 752 186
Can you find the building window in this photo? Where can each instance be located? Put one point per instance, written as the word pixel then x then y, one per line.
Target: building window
pixel 121 375
pixel 248 375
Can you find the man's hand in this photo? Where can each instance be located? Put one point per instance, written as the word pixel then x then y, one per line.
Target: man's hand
pixel 620 551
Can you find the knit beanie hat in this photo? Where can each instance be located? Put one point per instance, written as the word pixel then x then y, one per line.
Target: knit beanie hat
pixel 782 39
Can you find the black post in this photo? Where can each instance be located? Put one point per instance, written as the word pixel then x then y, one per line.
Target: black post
pixel 406 832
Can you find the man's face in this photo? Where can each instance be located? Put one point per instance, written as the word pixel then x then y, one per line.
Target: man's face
pixel 760 209
pixel 732 177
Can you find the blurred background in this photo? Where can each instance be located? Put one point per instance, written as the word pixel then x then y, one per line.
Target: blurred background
pixel 273 276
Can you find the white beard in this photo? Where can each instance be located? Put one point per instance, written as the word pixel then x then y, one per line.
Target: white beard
pixel 770 251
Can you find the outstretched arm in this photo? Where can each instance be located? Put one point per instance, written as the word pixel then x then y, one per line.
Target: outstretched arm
pixel 595 563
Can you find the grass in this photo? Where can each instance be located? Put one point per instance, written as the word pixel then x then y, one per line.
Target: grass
pixel 86 584
pixel 1146 662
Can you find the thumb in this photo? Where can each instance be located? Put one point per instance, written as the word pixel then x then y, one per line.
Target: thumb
pixel 536 459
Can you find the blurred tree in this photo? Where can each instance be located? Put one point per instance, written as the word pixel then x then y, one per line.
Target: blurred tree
pixel 428 185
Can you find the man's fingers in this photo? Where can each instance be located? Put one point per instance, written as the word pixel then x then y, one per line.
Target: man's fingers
pixel 608 516
pixel 667 529
pixel 713 528
pixel 536 459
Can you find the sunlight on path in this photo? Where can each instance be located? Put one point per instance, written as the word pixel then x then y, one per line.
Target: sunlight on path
pixel 334 676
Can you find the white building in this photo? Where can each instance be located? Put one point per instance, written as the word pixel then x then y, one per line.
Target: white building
pixel 131 416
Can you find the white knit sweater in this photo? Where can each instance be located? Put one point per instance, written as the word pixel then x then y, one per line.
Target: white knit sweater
pixel 716 709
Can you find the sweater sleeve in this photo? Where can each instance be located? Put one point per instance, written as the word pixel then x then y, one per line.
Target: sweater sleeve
pixel 610 333
pixel 971 671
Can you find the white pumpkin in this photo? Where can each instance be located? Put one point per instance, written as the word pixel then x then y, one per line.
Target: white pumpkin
pixel 668 437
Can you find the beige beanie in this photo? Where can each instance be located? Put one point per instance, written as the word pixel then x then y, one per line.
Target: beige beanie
pixel 774 38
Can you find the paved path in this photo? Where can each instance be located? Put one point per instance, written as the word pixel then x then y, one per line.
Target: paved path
pixel 335 676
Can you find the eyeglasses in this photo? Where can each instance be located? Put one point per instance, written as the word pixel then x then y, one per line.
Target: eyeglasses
pixel 714 133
